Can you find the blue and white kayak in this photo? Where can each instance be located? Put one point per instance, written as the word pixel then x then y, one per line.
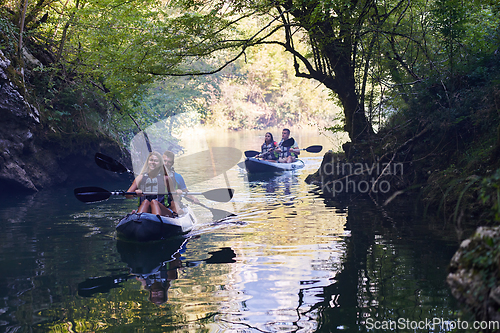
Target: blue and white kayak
pixel 145 227
pixel 255 165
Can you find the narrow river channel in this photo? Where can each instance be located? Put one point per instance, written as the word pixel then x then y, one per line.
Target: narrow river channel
pixel 288 261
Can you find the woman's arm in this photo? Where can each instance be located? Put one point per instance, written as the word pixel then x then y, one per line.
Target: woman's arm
pixel 134 187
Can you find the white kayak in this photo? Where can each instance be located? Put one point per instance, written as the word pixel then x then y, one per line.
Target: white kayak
pixel 255 165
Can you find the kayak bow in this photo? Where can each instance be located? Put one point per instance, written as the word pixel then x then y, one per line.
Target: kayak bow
pixel 254 165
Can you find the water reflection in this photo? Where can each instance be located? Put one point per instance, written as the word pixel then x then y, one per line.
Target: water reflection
pixel 272 183
pixel 290 261
pixel 154 265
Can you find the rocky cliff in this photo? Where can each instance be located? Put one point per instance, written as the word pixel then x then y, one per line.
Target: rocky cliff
pixel 34 156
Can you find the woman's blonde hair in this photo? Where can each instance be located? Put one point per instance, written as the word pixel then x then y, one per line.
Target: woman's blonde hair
pixel 161 166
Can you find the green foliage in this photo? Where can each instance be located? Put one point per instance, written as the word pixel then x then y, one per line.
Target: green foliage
pixel 255 94
pixel 7 29
pixel 126 46
pixel 373 51
pixel 489 194
pixel 481 257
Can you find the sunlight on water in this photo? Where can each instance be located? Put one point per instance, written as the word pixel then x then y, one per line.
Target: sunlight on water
pixel 288 246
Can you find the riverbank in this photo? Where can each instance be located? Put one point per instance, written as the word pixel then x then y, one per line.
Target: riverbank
pixel 445 147
pixel 444 151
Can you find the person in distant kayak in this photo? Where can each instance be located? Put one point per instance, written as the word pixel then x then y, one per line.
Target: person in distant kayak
pixel 287 154
pixel 175 179
pixel 268 152
pixel 154 179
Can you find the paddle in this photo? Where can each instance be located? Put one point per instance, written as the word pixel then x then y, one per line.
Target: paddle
pixel 95 194
pixel 113 165
pixel 251 153
pixel 217 214
pixel 313 149
pixel 110 164
pixel 310 149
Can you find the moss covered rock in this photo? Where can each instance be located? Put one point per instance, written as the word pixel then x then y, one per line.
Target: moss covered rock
pixel 474 275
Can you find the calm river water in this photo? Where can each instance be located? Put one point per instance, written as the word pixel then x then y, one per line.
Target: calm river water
pixel 289 261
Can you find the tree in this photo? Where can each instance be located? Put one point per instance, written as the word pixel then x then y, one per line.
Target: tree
pixel 341 36
pixel 353 47
pixel 131 43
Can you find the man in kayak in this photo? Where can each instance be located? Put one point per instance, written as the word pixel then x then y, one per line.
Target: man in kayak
pixel 176 179
pixel 287 154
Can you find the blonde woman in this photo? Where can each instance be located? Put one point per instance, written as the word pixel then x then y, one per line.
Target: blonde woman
pixel 154 179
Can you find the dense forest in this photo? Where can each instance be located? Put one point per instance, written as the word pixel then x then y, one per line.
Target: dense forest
pixel 412 82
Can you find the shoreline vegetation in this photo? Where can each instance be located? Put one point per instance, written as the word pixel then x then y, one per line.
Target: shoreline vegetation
pixel 436 138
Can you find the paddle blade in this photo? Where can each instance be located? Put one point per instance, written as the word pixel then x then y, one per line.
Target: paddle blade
pixel 109 163
pixel 219 194
pixel 91 194
pixel 205 165
pixel 288 142
pixel 101 284
pixel 251 153
pixel 219 214
pixel 314 149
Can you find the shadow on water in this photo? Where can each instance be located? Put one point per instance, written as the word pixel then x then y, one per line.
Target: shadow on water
pixel 393 274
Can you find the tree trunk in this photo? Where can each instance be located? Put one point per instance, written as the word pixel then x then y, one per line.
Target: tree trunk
pixel 343 84
pixel 20 44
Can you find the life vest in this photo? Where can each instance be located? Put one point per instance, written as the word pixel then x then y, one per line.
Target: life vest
pixel 268 155
pixel 285 151
pixel 155 185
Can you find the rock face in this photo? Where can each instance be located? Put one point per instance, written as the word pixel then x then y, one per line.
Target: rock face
pixel 28 161
pixel 18 121
pixel 475 271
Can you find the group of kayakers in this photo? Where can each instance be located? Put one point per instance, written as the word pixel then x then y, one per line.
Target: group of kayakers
pixel 158 176
pixel 279 152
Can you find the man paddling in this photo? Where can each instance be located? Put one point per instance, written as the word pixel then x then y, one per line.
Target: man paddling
pixel 287 154
pixel 180 184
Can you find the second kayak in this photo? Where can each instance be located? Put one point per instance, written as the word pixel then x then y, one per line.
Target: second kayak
pixel 254 165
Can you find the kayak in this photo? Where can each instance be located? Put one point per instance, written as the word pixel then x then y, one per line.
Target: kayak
pixel 144 227
pixel 254 165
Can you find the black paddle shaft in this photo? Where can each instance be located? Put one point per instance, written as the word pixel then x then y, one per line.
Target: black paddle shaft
pixel 95 194
pixel 310 149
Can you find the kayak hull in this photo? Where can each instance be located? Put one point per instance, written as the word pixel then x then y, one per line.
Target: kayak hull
pixel 145 227
pixel 254 165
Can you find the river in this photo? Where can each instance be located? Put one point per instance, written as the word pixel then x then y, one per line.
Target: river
pixel 289 261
